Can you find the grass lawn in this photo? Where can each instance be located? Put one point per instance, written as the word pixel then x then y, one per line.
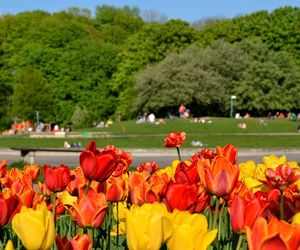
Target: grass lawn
pixel 279 133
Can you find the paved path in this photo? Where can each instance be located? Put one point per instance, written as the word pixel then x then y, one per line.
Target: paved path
pixel 163 157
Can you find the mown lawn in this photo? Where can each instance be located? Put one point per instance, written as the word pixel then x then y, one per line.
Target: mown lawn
pixel 277 134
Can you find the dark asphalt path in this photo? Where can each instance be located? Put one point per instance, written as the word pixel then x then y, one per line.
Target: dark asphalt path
pixel 162 157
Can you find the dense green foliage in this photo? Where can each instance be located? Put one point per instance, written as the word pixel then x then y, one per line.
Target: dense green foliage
pixel 204 79
pixel 32 94
pixel 95 67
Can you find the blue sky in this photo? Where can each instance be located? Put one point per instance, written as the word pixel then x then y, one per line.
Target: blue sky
pixel 188 10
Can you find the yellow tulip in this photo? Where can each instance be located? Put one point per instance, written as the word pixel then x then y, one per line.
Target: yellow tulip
pixel 9 245
pixel 296 219
pixel 35 228
pixel 67 199
pixel 247 169
pixel 250 173
pixel 272 161
pixel 147 226
pixel 121 216
pixel 190 232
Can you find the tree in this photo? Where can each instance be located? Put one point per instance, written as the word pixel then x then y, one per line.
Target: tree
pixel 191 77
pixel 204 80
pixel 270 82
pixel 148 46
pixel 5 103
pixel 32 94
pixel 117 24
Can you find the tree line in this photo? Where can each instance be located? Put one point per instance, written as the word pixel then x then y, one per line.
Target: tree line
pixel 75 68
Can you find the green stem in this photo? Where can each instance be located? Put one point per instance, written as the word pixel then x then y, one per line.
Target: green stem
pixel 54 205
pixel 53 211
pixel 88 187
pixel 239 242
pixel 212 202
pixel 91 234
pixel 221 221
pixel 70 226
pixel 281 206
pixel 109 216
pixel 178 152
pixel 216 213
pixel 117 224
pixel 18 244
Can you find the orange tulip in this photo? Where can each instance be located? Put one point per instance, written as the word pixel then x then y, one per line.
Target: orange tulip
pixel 15 174
pixel 229 151
pixel 277 234
pixel 90 209
pixel 27 196
pixel 117 189
pixel 77 181
pixel 81 242
pixel 3 168
pixel 219 176
pixel 32 170
pixel 140 190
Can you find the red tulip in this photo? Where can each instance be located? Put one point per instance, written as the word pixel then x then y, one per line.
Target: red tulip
pixel 175 139
pixel 79 242
pixel 124 159
pixel 90 209
pixel 181 196
pixel 243 213
pixel 284 176
pixel 9 206
pixel 203 154
pixel 203 199
pixel 97 165
pixel 63 243
pixel 219 176
pixel 150 167
pixel 186 173
pixel 56 178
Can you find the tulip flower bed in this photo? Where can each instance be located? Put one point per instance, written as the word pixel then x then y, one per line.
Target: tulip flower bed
pixel 210 201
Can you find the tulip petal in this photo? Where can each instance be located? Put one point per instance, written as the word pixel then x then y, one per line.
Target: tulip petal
pixel 132 233
pixel 274 243
pixel 209 237
pixel 50 236
pixel 29 228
